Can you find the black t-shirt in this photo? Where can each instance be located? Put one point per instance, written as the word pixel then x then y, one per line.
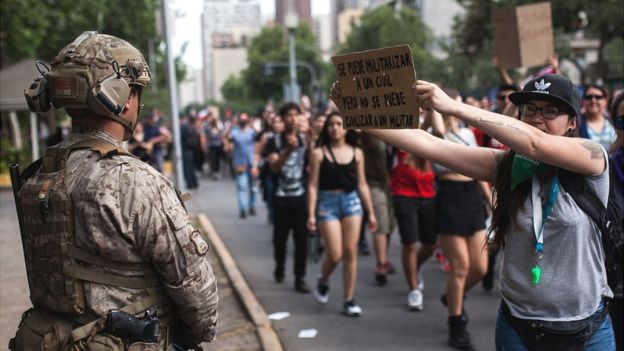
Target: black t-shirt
pixel 292 180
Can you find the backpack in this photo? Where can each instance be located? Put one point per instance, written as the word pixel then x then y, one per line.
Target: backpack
pixel 608 219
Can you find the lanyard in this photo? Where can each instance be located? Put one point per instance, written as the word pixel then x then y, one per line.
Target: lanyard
pixel 540 216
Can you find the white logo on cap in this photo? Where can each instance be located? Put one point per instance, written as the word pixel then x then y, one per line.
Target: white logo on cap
pixel 541 87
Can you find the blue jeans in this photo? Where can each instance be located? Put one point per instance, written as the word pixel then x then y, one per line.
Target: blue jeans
pixel 508 340
pixel 334 206
pixel 245 191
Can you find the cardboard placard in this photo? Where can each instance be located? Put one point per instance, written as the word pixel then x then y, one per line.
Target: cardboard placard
pixel 376 87
pixel 523 35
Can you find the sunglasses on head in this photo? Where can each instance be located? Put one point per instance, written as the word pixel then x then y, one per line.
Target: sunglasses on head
pixel 590 97
pixel 548 112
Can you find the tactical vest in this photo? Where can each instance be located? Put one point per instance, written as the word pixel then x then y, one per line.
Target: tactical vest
pixel 56 267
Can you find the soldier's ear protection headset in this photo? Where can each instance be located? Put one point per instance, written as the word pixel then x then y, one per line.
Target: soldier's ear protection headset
pixel 110 92
pixel 37 94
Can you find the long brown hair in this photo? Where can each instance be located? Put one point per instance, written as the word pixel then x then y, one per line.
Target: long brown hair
pixel 508 202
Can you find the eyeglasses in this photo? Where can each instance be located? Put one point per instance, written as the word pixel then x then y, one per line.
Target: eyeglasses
pixel 590 97
pixel 548 112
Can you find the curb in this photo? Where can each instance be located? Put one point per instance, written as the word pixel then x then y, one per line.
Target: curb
pixel 268 338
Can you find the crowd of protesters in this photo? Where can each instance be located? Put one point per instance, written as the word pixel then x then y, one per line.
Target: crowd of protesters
pixel 314 176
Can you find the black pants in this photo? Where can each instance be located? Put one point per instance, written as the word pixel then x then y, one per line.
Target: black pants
pixel 290 216
pixel 215 153
pixel 189 169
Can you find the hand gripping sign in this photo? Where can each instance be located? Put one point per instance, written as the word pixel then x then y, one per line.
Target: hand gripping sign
pixel 376 88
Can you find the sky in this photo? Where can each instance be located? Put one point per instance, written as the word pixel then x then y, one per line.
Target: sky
pixel 187 25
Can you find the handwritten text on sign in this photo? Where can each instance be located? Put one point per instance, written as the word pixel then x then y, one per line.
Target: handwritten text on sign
pixel 376 87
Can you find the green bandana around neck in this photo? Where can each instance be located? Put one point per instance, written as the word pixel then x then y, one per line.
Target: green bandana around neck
pixel 524 168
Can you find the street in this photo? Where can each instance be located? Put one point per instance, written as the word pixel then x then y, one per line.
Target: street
pixel 386 323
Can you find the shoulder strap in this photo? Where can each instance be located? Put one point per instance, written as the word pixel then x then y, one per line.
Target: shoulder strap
pixel 302 138
pixel 332 154
pixel 103 147
pixel 575 185
pixel 277 139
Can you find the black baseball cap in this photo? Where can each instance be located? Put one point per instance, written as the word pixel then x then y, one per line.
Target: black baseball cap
pixel 552 88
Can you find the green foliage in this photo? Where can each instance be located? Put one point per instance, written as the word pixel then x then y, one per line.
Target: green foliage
pixel 384 27
pixel 39 29
pixel 8 154
pixel 472 33
pixel 33 28
pixel 614 52
pixel 253 87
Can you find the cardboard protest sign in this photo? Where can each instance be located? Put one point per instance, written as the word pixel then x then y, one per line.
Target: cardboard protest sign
pixel 376 87
pixel 523 35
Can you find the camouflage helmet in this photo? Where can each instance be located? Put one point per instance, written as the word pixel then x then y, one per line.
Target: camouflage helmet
pixel 95 73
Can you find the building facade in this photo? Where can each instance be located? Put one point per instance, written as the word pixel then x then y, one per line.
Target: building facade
pixel 226 24
pixel 302 8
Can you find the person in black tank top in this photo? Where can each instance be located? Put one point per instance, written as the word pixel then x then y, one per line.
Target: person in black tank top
pixel 336 177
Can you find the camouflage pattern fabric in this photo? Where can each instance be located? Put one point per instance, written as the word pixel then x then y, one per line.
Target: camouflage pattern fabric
pixel 128 212
pixel 99 51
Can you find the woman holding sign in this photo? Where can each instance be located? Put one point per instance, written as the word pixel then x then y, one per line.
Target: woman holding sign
pixel 553 280
pixel 336 177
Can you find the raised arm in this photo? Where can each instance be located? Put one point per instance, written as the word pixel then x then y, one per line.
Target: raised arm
pixel 575 154
pixel 474 162
pixel 277 160
pixel 504 76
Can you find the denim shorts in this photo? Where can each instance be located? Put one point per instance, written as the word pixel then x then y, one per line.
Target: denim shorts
pixel 334 206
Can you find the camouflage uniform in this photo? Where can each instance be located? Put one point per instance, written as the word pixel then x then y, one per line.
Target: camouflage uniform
pixel 103 230
pixel 129 212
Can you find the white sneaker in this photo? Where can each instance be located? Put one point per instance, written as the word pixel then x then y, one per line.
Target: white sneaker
pixel 421 282
pixel 415 300
pixel 351 309
pixel 321 293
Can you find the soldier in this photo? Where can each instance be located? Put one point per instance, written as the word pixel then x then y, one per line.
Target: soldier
pixel 112 259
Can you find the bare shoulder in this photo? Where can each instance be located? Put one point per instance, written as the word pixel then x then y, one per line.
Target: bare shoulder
pixel 317 154
pixel 359 154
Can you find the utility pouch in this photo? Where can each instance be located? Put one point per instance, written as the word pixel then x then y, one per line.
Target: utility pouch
pixel 541 335
pixel 143 346
pixel 39 331
pixel 105 342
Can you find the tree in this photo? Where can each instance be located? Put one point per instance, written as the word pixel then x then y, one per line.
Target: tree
pixel 384 26
pixel 32 28
pixel 39 29
pixel 253 87
pixel 602 20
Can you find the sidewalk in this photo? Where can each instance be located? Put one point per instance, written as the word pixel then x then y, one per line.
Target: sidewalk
pixel 386 323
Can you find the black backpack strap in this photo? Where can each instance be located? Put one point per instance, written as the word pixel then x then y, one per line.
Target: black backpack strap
pixel 575 185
